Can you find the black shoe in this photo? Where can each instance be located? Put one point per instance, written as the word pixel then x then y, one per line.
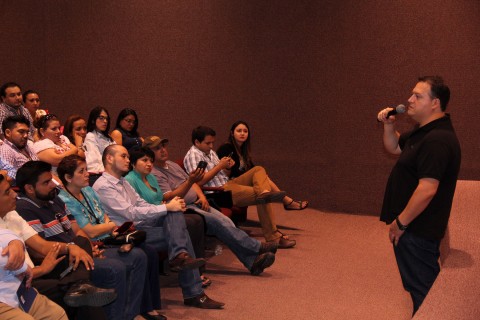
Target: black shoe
pixel 153 317
pixel 262 262
pixel 272 196
pixel 268 247
pixel 184 262
pixel 202 301
pixel 83 293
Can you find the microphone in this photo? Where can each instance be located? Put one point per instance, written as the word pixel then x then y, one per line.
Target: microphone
pixel 398 109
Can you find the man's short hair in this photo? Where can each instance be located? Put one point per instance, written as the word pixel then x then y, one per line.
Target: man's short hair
pixel 3 89
pixel 29 173
pixel 11 122
pixel 200 132
pixel 438 89
pixel 109 151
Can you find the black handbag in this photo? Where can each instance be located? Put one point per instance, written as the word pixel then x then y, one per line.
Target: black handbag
pixel 135 237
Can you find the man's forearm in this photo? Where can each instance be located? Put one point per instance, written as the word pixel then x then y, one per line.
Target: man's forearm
pixel 180 191
pixel 390 139
pixel 423 194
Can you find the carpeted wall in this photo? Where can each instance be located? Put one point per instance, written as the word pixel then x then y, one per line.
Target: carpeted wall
pixel 308 76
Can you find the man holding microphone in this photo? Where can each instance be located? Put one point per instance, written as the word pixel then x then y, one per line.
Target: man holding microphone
pixel 420 189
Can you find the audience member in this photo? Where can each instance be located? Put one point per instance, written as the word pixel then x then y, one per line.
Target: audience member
pixel 125 132
pixel 16 149
pixel 148 189
pixel 75 129
pixel 75 287
pixel 11 283
pixel 238 148
pixel 12 104
pixel 143 293
pixel 250 188
pixel 173 182
pixel 52 146
pixel 96 141
pixel 164 224
pixel 31 102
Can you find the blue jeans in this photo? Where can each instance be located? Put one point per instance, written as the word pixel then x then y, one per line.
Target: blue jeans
pixel 169 232
pixel 112 274
pixel 245 248
pixel 417 260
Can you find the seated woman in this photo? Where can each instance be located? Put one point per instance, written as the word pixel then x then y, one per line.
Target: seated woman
pixel 143 292
pixel 238 148
pixel 96 141
pixel 146 185
pixel 52 146
pixel 31 102
pixel 125 132
pixel 75 129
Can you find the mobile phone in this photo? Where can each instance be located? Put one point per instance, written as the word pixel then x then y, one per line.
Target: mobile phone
pixel 124 227
pixel 202 165
pixel 66 271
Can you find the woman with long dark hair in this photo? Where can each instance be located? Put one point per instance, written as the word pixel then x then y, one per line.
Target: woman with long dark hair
pixel 75 129
pixel 239 149
pixel 125 132
pixel 97 139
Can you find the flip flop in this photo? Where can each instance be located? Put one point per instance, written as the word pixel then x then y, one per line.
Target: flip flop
pixel 301 205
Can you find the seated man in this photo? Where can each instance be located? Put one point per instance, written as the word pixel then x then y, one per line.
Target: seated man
pixel 12 104
pixel 15 150
pixel 250 188
pixel 164 224
pixel 39 204
pixel 174 182
pixel 11 276
pixel 75 287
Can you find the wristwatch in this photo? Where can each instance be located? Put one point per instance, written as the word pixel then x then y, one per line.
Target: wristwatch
pixel 67 245
pixel 400 225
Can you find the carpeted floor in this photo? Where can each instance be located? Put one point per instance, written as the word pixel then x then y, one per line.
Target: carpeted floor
pixel 342 268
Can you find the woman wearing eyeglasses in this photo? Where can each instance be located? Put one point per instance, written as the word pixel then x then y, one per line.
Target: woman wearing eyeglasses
pixel 125 132
pixel 96 141
pixel 52 146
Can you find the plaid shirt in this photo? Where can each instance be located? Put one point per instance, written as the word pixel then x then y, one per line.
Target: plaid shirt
pixel 14 157
pixel 7 111
pixel 195 155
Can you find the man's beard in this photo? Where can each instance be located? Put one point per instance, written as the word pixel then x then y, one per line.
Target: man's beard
pixel 46 197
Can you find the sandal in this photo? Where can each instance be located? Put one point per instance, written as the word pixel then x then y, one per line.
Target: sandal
pixel 206 282
pixel 301 205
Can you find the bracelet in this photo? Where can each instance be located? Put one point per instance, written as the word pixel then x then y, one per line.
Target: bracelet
pixel 66 246
pixel 400 225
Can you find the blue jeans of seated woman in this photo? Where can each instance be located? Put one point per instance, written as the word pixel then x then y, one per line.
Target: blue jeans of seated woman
pixel 134 267
pixel 169 232
pixel 244 247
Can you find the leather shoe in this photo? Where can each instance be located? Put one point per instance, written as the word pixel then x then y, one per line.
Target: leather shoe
pixel 268 247
pixel 202 301
pixel 184 262
pixel 272 196
pixel 262 262
pixel 83 293
pixel 153 317
pixel 284 243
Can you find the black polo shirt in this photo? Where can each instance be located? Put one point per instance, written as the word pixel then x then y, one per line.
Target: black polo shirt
pixel 431 151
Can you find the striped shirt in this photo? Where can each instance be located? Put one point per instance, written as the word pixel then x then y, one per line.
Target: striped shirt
pixel 195 155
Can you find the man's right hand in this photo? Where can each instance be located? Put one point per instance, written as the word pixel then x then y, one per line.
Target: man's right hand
pixel 226 163
pixel 77 254
pixel 382 116
pixel 196 175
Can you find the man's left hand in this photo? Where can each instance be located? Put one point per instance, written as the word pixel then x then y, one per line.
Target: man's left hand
pixel 394 233
pixel 203 202
pixel 16 255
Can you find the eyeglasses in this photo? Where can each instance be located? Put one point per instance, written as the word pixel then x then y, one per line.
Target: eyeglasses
pixel 130 121
pixel 102 118
pixel 61 217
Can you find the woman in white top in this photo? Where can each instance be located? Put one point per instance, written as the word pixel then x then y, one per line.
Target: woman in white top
pixel 96 141
pixel 52 146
